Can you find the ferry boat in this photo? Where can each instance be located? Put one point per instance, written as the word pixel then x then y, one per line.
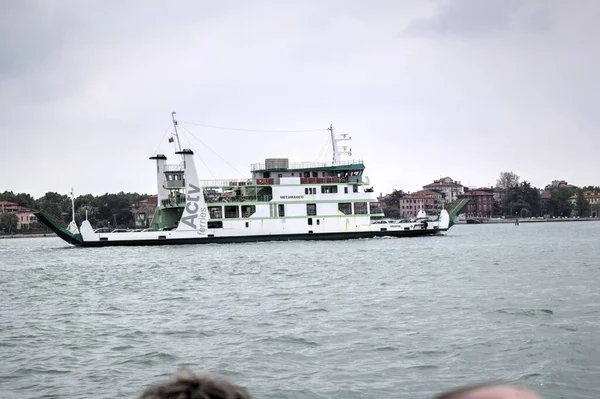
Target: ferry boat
pixel 280 201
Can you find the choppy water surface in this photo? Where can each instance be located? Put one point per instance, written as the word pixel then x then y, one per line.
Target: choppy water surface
pixel 401 318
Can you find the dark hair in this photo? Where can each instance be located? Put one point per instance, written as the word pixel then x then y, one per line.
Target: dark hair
pixel 458 393
pixel 188 385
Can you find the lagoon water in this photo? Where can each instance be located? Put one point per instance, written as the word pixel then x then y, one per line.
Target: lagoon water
pixel 397 318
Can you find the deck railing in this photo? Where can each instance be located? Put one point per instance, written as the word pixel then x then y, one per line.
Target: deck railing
pixel 271 181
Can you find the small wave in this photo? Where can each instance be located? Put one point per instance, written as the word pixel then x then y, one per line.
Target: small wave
pixel 385 349
pixel 562 327
pixel 40 370
pixel 292 340
pixel 121 348
pixel 423 367
pixel 526 312
pixel 529 376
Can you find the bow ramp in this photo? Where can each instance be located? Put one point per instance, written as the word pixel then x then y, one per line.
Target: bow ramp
pixel 456 209
pixel 58 226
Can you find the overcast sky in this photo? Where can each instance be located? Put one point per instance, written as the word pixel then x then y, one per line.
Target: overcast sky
pixel 459 88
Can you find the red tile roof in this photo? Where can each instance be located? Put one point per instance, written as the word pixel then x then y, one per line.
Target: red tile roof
pixel 423 194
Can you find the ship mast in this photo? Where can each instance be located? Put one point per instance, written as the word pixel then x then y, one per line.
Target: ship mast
pixel 176 132
pixel 73 205
pixel 339 150
pixel 335 150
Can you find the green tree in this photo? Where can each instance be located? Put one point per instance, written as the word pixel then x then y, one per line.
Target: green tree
pixel 507 180
pixel 594 189
pixel 559 204
pixel 56 205
pixel 582 206
pixel 522 200
pixel 8 222
pixel 392 204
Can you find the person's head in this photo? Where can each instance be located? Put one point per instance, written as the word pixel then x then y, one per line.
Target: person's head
pixel 488 390
pixel 188 385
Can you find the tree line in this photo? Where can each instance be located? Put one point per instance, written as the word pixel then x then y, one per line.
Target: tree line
pixel 105 210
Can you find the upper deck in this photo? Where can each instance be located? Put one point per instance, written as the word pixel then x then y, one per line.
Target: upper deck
pixel 277 165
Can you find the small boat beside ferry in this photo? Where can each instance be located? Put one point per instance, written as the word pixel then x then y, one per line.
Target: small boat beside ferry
pixel 280 201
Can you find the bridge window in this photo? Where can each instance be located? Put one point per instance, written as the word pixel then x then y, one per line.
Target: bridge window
pixel 345 208
pixel 232 212
pixel 329 189
pixel 248 210
pixel 375 208
pixel 216 212
pixel 361 208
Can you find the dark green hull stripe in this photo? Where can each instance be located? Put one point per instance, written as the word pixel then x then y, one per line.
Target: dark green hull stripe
pixel 263 238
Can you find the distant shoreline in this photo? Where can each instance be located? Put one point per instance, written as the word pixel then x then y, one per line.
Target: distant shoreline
pixel 38 235
pixel 462 222
pixel 512 221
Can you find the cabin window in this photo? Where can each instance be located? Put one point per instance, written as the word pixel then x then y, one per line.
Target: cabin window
pixel 361 208
pixel 376 208
pixel 232 212
pixel 355 188
pixel 215 225
pixel 315 174
pixel 281 210
pixel 311 209
pixel 216 212
pixel 329 189
pixel 318 222
pixel 247 224
pixel 310 190
pixel 345 208
pixel 310 221
pixel 248 210
pixel 345 190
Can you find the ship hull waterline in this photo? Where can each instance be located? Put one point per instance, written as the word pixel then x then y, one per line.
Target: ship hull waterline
pixel 261 238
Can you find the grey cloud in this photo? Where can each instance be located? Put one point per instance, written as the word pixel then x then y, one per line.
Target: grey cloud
pixel 482 17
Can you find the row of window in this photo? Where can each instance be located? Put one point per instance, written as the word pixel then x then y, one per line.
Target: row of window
pixel 278 210
pixel 329 190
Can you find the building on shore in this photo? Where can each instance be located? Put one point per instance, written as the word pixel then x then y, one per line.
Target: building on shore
pixel 428 200
pixel 593 199
pixel 481 204
pixel 449 188
pixel 25 216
